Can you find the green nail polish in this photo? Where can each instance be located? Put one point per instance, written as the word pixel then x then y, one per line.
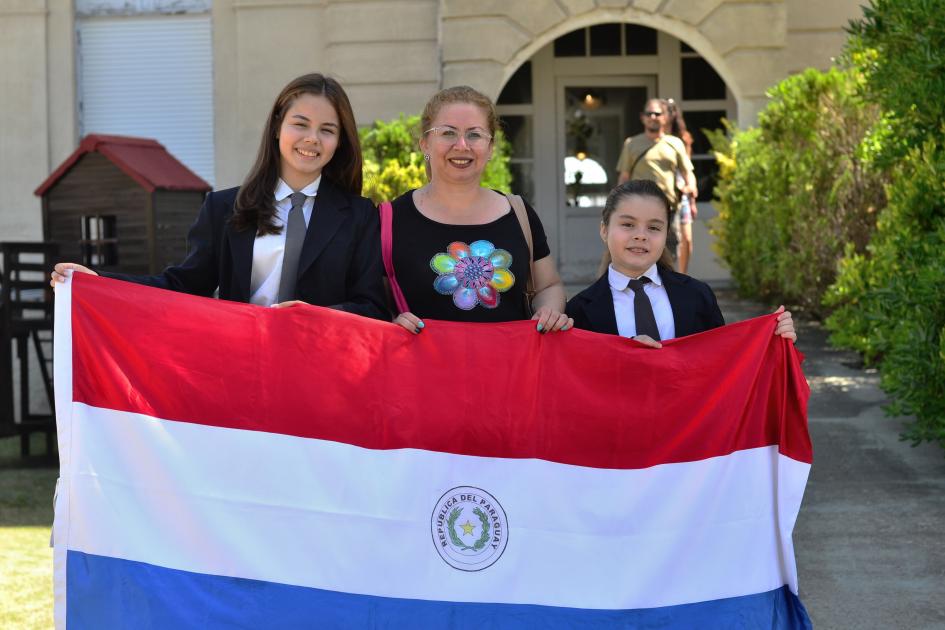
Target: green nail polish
pixel 539 327
pixel 420 325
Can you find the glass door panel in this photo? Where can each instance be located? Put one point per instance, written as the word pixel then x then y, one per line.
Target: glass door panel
pixel 597 120
pixel 595 116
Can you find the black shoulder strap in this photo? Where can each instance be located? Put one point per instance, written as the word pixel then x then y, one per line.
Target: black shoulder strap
pixel 643 155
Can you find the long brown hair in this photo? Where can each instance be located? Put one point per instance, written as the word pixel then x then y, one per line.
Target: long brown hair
pixel 641 188
pixel 255 207
pixel 677 124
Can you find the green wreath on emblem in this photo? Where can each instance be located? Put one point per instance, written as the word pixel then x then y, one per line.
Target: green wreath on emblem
pixel 479 544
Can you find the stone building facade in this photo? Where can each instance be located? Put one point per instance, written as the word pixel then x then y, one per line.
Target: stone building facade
pixel 72 67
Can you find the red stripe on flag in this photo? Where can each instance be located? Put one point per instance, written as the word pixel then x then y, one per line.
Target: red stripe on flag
pixel 489 390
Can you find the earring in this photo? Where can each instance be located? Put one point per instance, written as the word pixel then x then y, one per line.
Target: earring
pixel 426 156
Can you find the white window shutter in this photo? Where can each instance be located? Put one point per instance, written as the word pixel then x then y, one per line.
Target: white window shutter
pixel 150 76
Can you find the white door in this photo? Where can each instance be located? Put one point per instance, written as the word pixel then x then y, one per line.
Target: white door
pixel 150 76
pixel 594 116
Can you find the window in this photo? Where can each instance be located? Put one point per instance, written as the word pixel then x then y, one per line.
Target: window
pixel 702 159
pixel 518 90
pixel 641 40
pixel 523 178
pixel 696 121
pixel 704 103
pixel 611 39
pixel 149 76
pixel 516 118
pixel 605 40
pixel 700 81
pixel 707 173
pixel 518 131
pixel 571 45
pixel 99 243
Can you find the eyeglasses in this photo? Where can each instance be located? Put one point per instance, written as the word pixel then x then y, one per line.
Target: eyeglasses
pixel 475 138
pixel 652 114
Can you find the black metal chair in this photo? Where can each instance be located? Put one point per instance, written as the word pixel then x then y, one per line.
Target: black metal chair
pixel 26 319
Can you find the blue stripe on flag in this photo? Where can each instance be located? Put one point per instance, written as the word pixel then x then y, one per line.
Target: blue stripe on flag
pixel 105 592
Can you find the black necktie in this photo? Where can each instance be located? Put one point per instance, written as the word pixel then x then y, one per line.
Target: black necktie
pixel 643 310
pixel 294 237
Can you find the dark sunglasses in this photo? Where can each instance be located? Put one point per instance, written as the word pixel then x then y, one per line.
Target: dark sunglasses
pixel 652 114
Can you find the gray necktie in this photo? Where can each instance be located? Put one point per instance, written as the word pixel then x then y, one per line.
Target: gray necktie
pixel 643 310
pixel 294 237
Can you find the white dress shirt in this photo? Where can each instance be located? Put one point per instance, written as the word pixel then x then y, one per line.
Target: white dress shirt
pixel 269 249
pixel 623 303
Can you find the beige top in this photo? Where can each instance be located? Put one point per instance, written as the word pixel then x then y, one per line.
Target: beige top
pixel 659 164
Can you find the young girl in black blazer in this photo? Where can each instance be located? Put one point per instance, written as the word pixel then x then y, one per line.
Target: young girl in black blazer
pixel 639 295
pixel 297 230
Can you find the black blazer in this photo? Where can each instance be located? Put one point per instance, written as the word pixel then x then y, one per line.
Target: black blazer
pixel 694 306
pixel 340 264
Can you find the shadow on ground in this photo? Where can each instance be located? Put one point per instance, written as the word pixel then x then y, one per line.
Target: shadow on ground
pixel 870 537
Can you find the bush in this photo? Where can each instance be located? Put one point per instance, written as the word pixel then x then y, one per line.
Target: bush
pixel 799 194
pixel 870 288
pixel 900 46
pixel 889 300
pixel 393 163
pixel 796 190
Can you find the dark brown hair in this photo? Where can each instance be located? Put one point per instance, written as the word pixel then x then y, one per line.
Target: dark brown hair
pixel 677 124
pixel 255 206
pixel 458 94
pixel 640 188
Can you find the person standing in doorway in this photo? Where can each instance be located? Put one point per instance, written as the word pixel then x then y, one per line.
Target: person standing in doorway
pixel 655 155
pixel 676 126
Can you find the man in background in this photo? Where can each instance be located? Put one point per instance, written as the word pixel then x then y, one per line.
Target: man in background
pixel 656 156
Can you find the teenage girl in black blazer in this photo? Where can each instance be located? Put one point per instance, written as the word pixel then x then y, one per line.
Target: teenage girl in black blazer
pixel 634 225
pixel 309 145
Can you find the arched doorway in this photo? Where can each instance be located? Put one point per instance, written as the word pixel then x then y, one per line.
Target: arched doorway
pixel 567 110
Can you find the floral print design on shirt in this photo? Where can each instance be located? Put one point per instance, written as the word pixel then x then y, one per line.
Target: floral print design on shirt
pixel 473 274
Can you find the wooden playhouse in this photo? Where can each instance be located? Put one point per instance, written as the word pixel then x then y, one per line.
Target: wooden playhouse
pixel 121 204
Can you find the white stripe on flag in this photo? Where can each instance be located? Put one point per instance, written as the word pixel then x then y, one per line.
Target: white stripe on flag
pixel 62 377
pixel 338 517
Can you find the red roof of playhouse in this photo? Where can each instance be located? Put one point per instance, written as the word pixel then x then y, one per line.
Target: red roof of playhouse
pixel 144 160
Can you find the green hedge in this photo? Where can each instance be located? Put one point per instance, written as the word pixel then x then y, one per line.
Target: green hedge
pixel 393 163
pixel 796 189
pixel 900 46
pixel 890 300
pixel 804 216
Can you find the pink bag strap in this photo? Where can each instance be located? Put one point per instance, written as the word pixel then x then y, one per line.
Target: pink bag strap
pixel 387 247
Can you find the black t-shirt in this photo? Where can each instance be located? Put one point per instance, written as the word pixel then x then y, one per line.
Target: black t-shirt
pixel 463 273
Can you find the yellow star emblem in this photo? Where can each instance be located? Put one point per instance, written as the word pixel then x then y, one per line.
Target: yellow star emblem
pixel 468 528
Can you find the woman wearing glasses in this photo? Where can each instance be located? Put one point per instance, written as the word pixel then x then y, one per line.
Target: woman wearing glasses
pixel 458 251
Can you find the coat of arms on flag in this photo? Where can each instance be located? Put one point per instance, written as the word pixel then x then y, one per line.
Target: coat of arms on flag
pixel 469 528
pixel 226 465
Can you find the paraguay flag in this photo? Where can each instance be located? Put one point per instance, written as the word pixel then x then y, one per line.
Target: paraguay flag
pixel 231 466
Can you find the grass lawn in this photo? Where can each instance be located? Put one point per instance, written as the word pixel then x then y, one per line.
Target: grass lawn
pixel 26 514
